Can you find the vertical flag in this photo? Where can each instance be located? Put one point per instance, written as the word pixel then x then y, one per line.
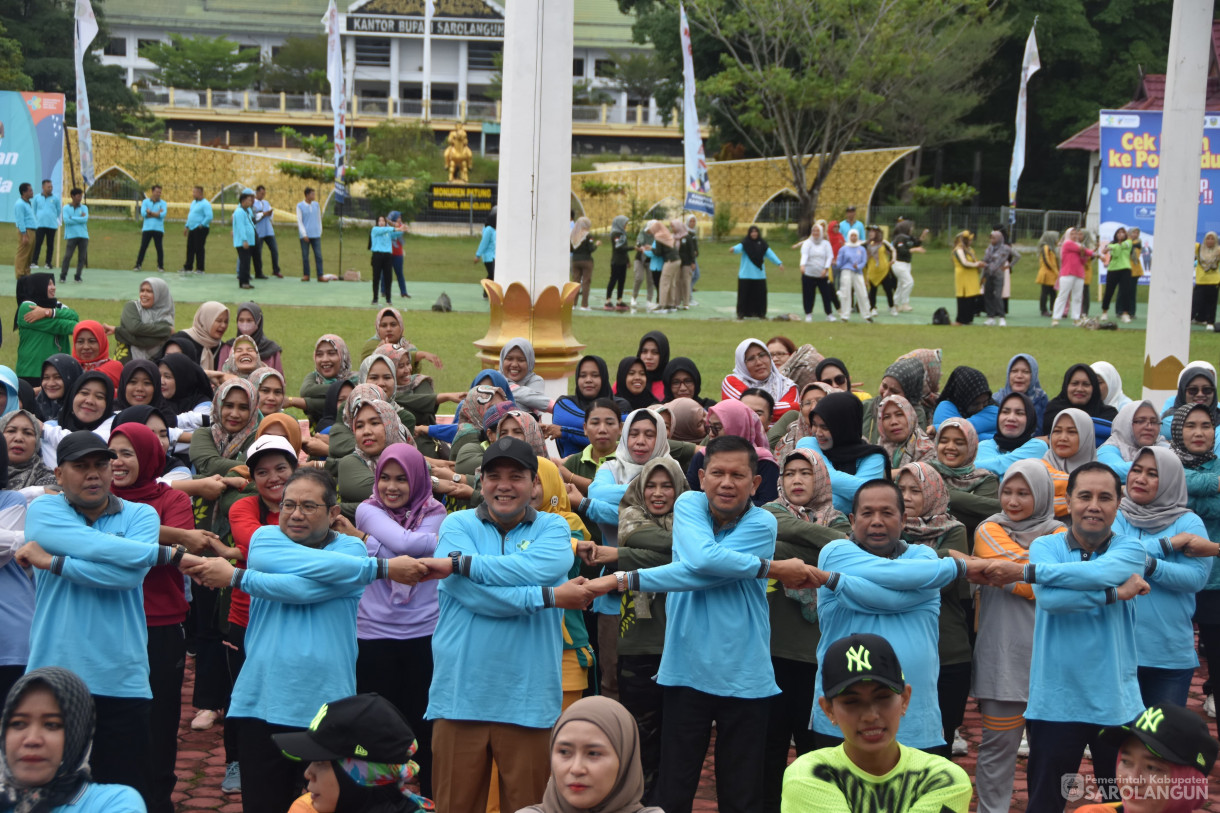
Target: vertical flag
pixel 86 30
pixel 698 186
pixel 338 99
pixel 429 10
pixel 1029 66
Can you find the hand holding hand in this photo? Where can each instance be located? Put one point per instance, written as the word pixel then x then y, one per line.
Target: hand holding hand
pixel 1000 572
pixel 587 551
pixel 198 541
pixel 574 594
pixel 792 573
pixel 1198 546
pixel 31 554
pixel 211 487
pixel 438 568
pixel 407 570
pixel 215 573
pixel 602 585
pixel 1132 587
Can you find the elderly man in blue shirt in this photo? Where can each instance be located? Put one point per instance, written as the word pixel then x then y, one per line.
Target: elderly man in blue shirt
pixel 27 225
pixel 46 214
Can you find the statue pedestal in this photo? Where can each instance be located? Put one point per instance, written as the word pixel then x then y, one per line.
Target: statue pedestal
pixel 546 323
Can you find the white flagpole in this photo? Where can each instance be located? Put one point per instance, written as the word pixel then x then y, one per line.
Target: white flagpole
pixel 85 31
pixel 1029 66
pixel 429 10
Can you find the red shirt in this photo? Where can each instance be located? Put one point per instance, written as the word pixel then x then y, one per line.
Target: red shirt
pixel 243 522
pixel 164 590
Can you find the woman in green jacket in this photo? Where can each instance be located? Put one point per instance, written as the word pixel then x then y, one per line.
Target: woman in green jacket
pixel 44 325
pixel 146 322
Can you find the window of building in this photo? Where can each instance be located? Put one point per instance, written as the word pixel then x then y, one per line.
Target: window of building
pixel 372 51
pixel 142 44
pixel 275 51
pixel 578 68
pixel 481 56
pixel 603 68
pixel 116 46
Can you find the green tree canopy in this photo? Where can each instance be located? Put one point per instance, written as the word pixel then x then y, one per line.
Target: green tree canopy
pixel 195 63
pixel 299 66
pixel 12 64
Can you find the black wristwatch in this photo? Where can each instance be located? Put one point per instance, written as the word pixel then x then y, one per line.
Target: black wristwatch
pixel 455 557
pixel 179 552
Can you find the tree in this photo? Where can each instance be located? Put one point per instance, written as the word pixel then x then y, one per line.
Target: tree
pixel 640 74
pixel 806 85
pixel 299 66
pixel 196 63
pixel 12 64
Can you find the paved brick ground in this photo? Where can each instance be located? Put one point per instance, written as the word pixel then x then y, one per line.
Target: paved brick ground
pixel 201 763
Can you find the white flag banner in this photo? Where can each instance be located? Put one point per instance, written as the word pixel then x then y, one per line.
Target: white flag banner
pixel 1029 66
pixel 86 30
pixel 698 186
pixel 338 98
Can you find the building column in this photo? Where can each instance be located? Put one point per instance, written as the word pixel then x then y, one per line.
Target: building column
pixel 395 62
pixel 463 54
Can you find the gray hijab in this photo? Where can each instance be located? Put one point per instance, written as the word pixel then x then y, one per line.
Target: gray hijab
pixel 1042 521
pixel 1170 500
pixel 1122 433
pixel 619 226
pixel 1086 453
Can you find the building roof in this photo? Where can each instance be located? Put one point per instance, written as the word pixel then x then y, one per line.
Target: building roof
pixel 1150 95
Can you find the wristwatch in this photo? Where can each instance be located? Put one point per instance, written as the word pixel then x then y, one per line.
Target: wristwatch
pixel 620 576
pixel 455 558
pixel 179 552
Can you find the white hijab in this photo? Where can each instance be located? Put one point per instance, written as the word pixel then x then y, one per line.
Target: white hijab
pixel 777 385
pixel 1108 373
pixel 622 466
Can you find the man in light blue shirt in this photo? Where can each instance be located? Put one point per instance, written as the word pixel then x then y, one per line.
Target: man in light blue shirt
pixel 152 219
pixel 850 224
pixel 243 238
pixel 46 214
pixel 76 234
pixel 198 225
pixel 264 234
pixel 23 219
pixel 309 226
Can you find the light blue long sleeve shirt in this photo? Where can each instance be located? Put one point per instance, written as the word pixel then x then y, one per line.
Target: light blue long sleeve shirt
pixel 1084 660
pixel 301 641
pixel 718 624
pixel 1164 615
pixel 16 586
pixel 158 210
pixel 23 216
pixel 487 245
pixel 846 228
pixel 852 258
pixel 243 227
pixel 89 610
pixel 843 486
pixel 380 239
pixel 990 457
pixel 498 646
pixel 46 211
pixel 1203 488
pixel 983 421
pixel 748 270
pixel 200 214
pixel 899 599
pixel 76 221
pixel 602 506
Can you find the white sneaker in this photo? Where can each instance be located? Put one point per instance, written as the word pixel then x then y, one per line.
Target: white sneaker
pixel 906 309
pixel 809 317
pixel 583 308
pixel 872 312
pixel 1125 318
pixel 845 318
pixel 633 301
pixel 1209 705
pixel 1003 322
pixel 960 747
pixel 652 306
pixel 694 303
pixel 893 311
pixel 830 317
pixel 990 322
pixel 1023 748
pixel 1054 323
pixel 1105 316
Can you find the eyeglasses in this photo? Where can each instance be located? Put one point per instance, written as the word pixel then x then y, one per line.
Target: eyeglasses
pixel 1145 422
pixel 714 429
pixel 836 381
pixel 307 508
pixel 1193 391
pixel 757 357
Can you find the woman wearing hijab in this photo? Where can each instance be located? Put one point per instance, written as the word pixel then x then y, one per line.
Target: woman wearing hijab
pixel 395 622
pixel 89 406
pixel 631 384
pixel 900 433
pixel 1072 444
pixel 22 433
pixel 186 389
pixel 1004 644
pixel 1196 385
pixel 752 274
pixel 1048 271
pixel 46 736
pixel 43 325
pixel 12 390
pixel 850 261
pixel 1081 390
pixel 1154 510
pixel 619 245
pixel 140 383
pixel 1022 376
pixel 592 383
pixel 967 395
pixel 904 377
pixel 653 350
pixel 833 371
pixel 687 233
pixel 207 329
pixel 137 467
pixel 235 418
pixel 689 420
pixel 58 373
pixel 250 323
pixel 375 425
pixel 612 784
pixel 737 419
pixel 838 426
pixel 583 245
pixel 801 427
pixel 1136 427
pixel 806 520
pixel 681 379
pixel 91 349
pixel 666 265
pixel 929 522
pixel 877 269
pixel 517 365
pixel 1207 280
pixel 1117 257
pixel 972 490
pixel 146 322
pixel 997 262
pixel 1111 384
pixel 1015 436
pixel 753 367
pixel 332 362
pixel 966 278
pixel 486 252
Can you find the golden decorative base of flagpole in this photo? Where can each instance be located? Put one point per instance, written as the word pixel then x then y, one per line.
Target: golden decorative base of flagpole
pixel 546 323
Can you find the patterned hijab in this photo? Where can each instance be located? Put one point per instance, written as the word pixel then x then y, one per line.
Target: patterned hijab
pixel 775 384
pixel 475 405
pixel 1122 431
pixel 32 472
pixel 931 361
pixel 623 467
pixel 908 372
pixel 395 353
pixel 965 386
pixel 529 426
pixel 633 512
pixel 935 521
pixel 1170 500
pixel 230 365
pixel 370 395
pixel 1042 521
pixel 1177 437
pixel 1086 453
pixel 345 360
pixel 916 446
pixel 367 365
pixel 738 419
pixel 76 706
pixel 420 504
pixel 965 477
pixel 230 445
pixel 820 509
pixel 800 428
pixel 802 365
pixel 1036 394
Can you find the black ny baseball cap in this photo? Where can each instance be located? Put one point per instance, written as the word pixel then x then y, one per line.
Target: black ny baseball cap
pixel 514 449
pixel 860 656
pixel 363 726
pixel 82 443
pixel 1172 733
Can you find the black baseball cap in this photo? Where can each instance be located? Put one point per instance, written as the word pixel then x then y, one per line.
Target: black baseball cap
pixel 81 443
pixel 363 726
pixel 1172 733
pixel 858 657
pixel 514 449
pixel 851 208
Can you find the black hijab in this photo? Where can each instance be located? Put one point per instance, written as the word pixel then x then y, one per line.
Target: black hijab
pixel 585 404
pixel 68 419
pixel 330 412
pixel 28 400
pixel 644 399
pixel 662 342
pixel 832 362
pixel 843 415
pixel 191 384
pixel 266 347
pixel 140 413
pixel 33 288
pixel 184 343
pixel 150 369
pixel 1095 408
pixel 965 386
pixel 491 217
pixel 69 370
pixel 755 249
pixel 1007 444
pixel 682 364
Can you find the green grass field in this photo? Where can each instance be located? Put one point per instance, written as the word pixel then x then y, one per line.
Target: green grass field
pixel 867 349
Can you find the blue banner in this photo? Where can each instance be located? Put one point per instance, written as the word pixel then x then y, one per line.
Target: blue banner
pixel 31 145
pixel 1130 164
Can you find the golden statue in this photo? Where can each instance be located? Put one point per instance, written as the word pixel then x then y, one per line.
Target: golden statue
pixel 458 157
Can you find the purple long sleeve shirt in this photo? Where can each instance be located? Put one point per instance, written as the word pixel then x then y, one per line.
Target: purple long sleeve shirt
pixel 389 609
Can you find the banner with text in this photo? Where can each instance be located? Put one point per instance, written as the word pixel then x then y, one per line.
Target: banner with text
pixel 31 145
pixel 1130 164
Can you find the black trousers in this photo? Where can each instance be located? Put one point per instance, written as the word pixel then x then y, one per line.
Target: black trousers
pixel 196 241
pixel 40 234
pixel 1126 291
pixel 211 667
pixel 889 285
pixel 1205 297
pixel 401 672
pixel 383 274
pixel 788 722
pixel 618 277
pixel 243 265
pixel 80 247
pixel 751 301
pixel 235 654
pixel 257 257
pixel 269 782
pixel 953 691
pixel 166 669
pixel 641 695
pixel 967 306
pixel 1207 616
pixel 1046 299
pixel 1115 283
pixel 121 744
pixel 741 734
pixel 156 238
pixel 491 269
pixel 1055 749
pixel 811 287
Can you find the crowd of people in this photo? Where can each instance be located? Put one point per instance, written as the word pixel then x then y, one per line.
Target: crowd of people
pixel 547 604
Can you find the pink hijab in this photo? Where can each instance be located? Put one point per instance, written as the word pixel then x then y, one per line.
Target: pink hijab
pixel 738 419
